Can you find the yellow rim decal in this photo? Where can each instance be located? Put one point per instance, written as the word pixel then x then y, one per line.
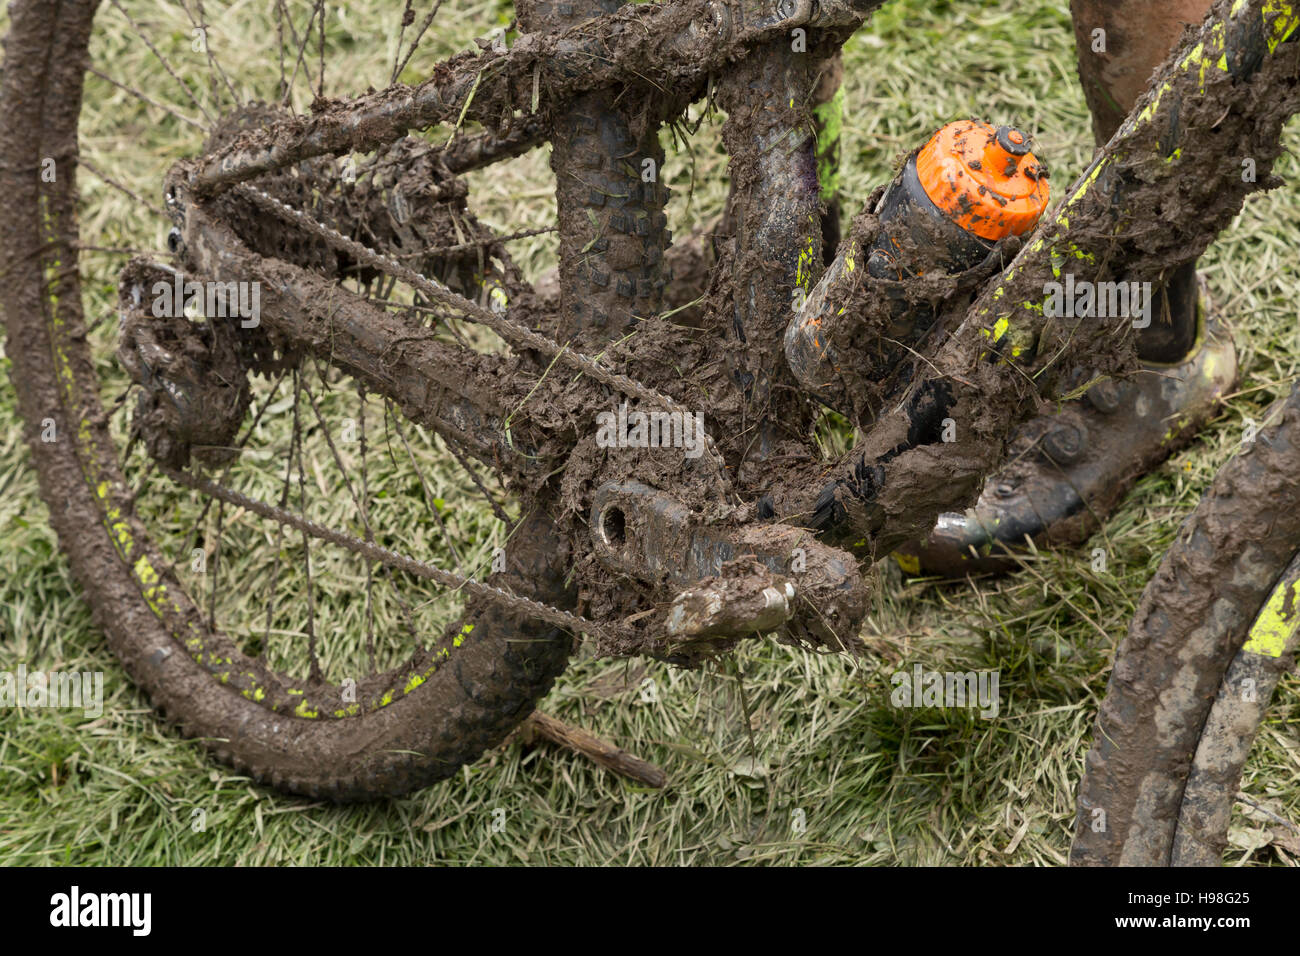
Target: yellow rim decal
pixel 1275 625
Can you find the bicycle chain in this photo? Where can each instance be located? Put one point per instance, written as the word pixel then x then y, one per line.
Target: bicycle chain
pixel 450 579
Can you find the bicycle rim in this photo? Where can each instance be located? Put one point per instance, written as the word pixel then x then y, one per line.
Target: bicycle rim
pixel 397 729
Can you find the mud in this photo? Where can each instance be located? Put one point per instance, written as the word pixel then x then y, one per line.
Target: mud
pixel 194 376
pixel 1165 188
pixel 608 297
pixel 860 339
pixel 667 50
pixel 504 665
pixel 1226 742
pixel 1192 619
pixel 468 397
pixel 613 237
pixel 903 474
pixel 612 275
pixel 406 199
pixel 775 252
pixel 609 201
pixel 1162 190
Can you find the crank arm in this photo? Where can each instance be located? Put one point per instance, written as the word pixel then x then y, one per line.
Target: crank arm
pixel 647 534
pixel 741 601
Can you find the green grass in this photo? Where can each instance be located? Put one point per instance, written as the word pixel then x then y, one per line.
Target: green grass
pixel 872 784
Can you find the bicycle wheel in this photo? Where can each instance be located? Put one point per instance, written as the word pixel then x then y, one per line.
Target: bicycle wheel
pixel 1215 629
pixel 451 685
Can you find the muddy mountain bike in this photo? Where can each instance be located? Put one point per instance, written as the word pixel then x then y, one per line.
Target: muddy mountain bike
pixel 328 300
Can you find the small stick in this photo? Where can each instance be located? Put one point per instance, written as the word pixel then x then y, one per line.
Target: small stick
pixel 1243 798
pixel 589 745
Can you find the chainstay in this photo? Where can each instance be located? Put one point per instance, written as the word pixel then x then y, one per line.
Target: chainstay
pixel 366 549
pixel 514 333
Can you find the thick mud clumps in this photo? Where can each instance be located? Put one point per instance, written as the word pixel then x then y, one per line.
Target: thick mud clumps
pixel 403 201
pixel 193 375
pixel 607 593
pixel 860 339
pixel 668 50
pixel 1154 199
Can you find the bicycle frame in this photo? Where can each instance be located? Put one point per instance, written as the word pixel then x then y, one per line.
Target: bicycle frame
pixel 984 379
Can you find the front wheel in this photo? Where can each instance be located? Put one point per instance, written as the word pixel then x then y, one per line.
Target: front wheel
pixel 1215 630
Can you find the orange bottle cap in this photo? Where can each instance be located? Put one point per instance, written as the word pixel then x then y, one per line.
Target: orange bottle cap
pixel 985 179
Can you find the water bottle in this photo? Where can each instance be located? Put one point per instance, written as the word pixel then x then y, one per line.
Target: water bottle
pixel 968 187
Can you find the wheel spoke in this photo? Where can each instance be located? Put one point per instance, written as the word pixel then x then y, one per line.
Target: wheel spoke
pixel 188 120
pixel 171 71
pixel 215 572
pixel 398 67
pixel 131 193
pixel 306 538
pixel 317 7
pixel 214 66
pixel 370 536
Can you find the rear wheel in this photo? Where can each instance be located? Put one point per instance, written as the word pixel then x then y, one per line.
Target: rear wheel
pixel 280 667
